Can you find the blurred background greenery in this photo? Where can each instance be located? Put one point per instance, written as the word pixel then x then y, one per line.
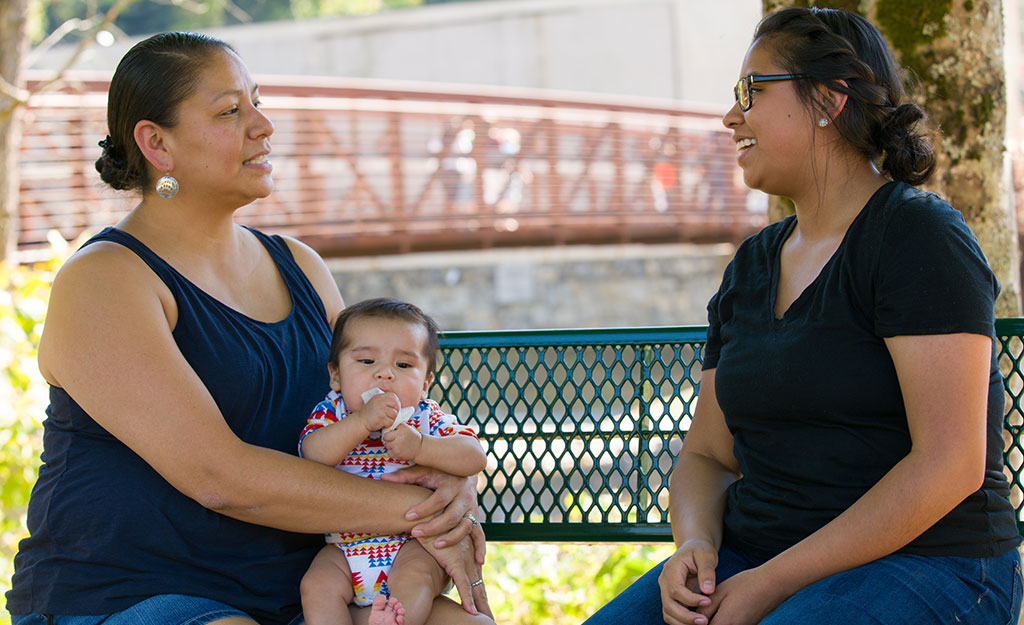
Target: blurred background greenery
pixel 149 16
pixel 24 291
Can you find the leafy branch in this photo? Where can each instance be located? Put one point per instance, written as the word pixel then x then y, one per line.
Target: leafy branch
pixel 19 96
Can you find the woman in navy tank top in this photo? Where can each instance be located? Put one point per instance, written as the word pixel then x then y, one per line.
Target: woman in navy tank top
pixel 183 352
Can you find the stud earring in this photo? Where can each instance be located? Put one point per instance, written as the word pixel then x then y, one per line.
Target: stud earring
pixel 823 122
pixel 166 186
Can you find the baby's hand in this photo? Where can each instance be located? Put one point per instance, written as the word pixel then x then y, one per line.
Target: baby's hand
pixel 403 443
pixel 379 412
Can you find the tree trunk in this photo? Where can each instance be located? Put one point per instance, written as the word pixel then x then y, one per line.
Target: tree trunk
pixel 13 44
pixel 955 49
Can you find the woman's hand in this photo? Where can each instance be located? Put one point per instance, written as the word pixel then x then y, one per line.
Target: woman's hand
pixel 745 598
pixel 453 498
pixel 686 575
pixel 459 563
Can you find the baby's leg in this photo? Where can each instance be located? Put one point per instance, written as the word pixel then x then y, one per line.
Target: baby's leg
pixel 415 580
pixel 326 589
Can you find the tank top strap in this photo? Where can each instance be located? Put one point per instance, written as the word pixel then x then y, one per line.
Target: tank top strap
pixel 304 296
pixel 160 267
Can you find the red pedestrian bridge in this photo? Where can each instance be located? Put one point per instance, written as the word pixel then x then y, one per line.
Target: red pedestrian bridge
pixel 369 167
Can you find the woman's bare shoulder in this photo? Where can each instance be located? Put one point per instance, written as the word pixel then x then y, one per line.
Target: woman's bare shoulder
pixel 101 289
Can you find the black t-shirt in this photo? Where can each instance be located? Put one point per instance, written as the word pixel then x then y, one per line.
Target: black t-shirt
pixel 812 399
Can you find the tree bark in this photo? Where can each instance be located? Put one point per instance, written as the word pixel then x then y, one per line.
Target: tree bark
pixel 13 45
pixel 955 52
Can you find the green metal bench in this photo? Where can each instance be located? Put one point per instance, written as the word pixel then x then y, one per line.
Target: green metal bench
pixel 581 426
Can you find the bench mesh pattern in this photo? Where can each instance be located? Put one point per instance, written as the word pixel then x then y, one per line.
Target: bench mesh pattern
pixel 1011 352
pixel 580 426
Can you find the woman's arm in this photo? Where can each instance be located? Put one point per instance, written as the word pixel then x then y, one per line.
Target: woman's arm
pixel 108 343
pixel 944 380
pixel 704 470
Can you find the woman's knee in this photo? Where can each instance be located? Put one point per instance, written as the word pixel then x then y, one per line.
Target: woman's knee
pixel 905 588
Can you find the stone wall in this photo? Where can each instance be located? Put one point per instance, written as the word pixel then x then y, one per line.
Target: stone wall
pixel 557 287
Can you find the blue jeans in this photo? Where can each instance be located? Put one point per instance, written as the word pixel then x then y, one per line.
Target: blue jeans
pixel 894 590
pixel 159 610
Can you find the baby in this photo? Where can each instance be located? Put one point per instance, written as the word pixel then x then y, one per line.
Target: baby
pixel 375 420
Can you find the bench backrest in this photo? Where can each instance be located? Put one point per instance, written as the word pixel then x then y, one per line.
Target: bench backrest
pixel 581 426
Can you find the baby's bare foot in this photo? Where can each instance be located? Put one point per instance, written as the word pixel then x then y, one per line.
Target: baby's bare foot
pixel 386 611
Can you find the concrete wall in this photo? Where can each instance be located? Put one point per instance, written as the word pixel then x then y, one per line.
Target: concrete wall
pixel 688 50
pixel 557 287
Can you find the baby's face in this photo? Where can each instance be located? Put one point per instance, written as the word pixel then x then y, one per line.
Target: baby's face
pixel 382 353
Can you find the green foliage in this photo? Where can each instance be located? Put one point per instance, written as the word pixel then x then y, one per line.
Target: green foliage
pixel 325 8
pixel 24 292
pixel 149 16
pixel 562 584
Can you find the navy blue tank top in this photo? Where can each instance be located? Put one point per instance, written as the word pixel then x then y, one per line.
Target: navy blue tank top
pixel 107 531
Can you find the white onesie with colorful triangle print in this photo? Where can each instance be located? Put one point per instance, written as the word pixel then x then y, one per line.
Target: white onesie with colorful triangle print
pixel 370 556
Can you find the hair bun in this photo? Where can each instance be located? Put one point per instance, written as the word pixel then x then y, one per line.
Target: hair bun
pixel 111 165
pixel 901 121
pixel 908 153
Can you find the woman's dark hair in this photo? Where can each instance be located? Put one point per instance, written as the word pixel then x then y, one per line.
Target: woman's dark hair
pixel 151 82
pixel 833 45
pixel 385 308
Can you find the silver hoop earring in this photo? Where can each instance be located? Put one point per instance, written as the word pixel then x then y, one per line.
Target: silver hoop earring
pixel 823 122
pixel 166 186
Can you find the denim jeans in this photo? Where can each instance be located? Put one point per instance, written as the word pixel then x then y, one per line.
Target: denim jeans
pixel 159 610
pixel 899 589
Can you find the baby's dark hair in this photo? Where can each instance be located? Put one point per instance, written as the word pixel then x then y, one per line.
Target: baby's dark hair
pixel 833 45
pixel 150 82
pixel 386 308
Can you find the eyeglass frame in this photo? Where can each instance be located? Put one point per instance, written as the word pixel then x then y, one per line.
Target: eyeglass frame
pixel 751 79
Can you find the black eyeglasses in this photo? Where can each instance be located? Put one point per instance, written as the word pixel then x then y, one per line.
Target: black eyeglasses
pixel 743 91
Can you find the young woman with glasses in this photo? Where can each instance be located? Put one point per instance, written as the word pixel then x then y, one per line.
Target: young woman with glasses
pixel 845 459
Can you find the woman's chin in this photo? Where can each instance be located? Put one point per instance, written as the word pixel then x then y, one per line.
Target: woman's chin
pixel 263 190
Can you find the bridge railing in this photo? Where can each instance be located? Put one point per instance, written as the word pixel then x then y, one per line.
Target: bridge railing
pixel 370 167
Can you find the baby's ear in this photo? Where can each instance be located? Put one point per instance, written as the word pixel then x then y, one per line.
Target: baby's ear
pixel 426 385
pixel 335 378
